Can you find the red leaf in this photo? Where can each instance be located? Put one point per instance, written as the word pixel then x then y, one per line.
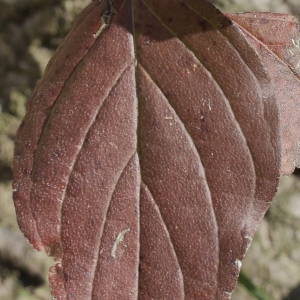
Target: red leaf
pixel 149 153
pixel 276 39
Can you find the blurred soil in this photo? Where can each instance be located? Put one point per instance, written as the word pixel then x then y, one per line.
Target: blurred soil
pixel 30 31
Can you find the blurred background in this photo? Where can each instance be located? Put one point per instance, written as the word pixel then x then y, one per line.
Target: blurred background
pixel 30 31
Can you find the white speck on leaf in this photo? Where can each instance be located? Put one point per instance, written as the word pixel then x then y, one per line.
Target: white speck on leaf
pixel 238 263
pixel 119 239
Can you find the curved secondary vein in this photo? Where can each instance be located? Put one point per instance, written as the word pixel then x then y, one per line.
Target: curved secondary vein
pixel 189 137
pixel 56 101
pixel 143 184
pixel 80 146
pixel 226 100
pixel 47 120
pixel 98 247
pixel 212 76
pixel 93 120
pixel 195 151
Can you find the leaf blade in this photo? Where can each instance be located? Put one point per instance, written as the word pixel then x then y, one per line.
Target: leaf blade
pixel 171 124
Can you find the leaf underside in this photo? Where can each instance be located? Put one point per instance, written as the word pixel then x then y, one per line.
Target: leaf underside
pixel 148 154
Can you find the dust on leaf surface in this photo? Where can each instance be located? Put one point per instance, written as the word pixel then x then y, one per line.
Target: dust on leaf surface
pixel 149 153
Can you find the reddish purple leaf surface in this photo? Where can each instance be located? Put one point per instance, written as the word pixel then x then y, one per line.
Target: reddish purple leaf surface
pixel 149 153
pixel 276 39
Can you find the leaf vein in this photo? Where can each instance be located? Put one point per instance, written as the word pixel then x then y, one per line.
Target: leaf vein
pixel 225 97
pixel 52 108
pixel 193 146
pixel 55 103
pixel 80 147
pixel 168 232
pixel 105 219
